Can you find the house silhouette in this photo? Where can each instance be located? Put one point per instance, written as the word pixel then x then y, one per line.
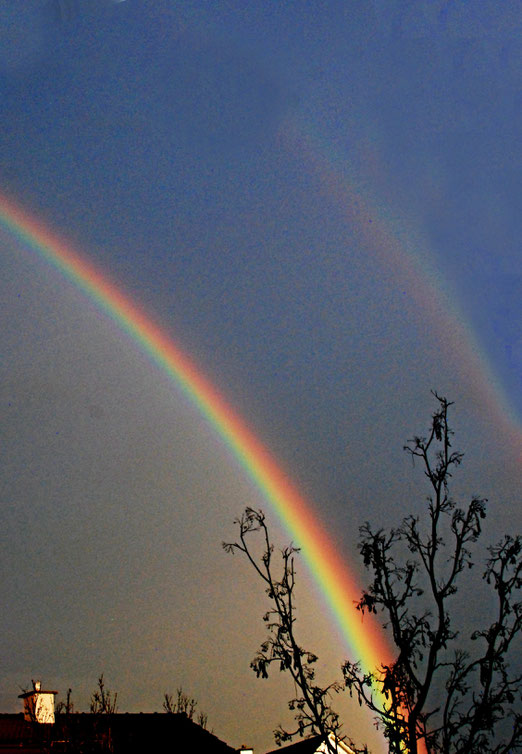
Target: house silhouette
pixel 32 732
pixel 119 733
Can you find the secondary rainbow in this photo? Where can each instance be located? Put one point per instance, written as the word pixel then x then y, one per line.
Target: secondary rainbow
pixel 398 249
pixel 364 639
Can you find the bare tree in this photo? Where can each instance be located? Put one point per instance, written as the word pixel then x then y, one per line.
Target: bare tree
pixel 103 705
pixel 103 701
pixel 66 707
pixel 184 705
pixel 437 691
pixel 281 648
pixel 445 692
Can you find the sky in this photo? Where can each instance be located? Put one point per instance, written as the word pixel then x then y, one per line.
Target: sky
pixel 319 203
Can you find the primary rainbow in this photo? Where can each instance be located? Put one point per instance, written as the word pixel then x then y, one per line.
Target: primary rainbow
pixel 365 640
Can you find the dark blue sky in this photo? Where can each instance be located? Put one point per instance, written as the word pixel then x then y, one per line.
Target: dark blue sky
pixel 321 203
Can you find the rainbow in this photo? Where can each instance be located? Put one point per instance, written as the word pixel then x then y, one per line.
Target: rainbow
pixel 365 640
pixel 400 251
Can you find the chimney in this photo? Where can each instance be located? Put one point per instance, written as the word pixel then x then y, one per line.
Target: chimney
pixel 39 704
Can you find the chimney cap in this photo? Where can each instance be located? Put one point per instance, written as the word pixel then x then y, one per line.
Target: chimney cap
pixel 37 689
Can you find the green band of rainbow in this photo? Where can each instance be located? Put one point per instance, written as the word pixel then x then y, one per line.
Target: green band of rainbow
pixel 364 640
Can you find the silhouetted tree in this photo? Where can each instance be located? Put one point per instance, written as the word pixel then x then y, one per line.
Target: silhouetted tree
pixel 103 704
pixel 184 705
pixel 103 701
pixel 66 707
pixel 68 736
pixel 437 690
pixel 438 695
pixel 281 648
